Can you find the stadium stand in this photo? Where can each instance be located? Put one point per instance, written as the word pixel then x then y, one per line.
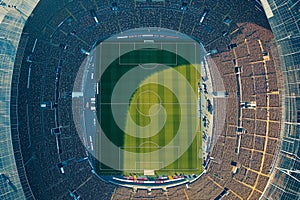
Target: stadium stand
pixel 261 158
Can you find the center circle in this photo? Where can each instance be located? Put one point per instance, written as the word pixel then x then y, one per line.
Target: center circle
pixel 148 103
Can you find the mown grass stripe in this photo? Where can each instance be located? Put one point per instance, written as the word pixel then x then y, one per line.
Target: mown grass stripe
pixel 183 135
pixel 161 135
pixel 189 109
pixel 176 117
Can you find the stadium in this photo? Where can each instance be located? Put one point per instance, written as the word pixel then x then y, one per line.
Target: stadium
pixel 149 99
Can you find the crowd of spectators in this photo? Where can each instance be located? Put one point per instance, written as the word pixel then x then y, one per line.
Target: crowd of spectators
pixel 62 30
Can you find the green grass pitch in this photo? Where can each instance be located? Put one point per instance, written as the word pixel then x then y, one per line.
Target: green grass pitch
pixel 156 114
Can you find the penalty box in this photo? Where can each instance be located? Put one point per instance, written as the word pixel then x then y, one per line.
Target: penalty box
pixel 111 50
pixel 128 158
pixel 138 162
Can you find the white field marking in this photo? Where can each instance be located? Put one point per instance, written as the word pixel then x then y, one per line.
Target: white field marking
pixel 91 142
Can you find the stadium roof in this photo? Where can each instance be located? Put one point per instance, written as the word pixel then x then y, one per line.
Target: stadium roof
pixel 12 21
pixel 284 23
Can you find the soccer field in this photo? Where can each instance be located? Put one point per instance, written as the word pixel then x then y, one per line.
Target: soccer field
pixel 160 129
